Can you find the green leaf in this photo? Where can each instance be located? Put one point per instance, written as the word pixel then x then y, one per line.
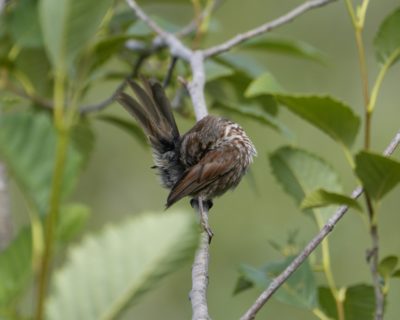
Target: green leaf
pixel 242 63
pixel 15 268
pixel 128 126
pixel 327 114
pixel 387 265
pixel 215 70
pixel 290 47
pixel 396 274
pixel 327 302
pixel 73 218
pixel 264 84
pixel 322 198
pixel 378 174
pixel 301 172
pixel 299 290
pixel 68 26
pixel 254 113
pixel 115 267
pixel 24 24
pixel 27 145
pixel 359 303
pixel 387 40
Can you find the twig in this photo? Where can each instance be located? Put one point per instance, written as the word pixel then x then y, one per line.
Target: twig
pixel 6 228
pixel 310 247
pixel 198 294
pixel 286 18
pixel 170 71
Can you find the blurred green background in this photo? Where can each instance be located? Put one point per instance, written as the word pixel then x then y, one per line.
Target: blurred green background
pixel 118 181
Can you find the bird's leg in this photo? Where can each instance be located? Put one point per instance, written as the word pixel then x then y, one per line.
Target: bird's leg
pixel 203 207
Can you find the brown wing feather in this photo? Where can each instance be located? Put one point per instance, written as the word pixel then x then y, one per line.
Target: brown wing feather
pixel 215 164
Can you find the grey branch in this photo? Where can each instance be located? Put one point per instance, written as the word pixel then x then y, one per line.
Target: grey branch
pixel 198 294
pixel 310 247
pixel 288 17
pixel 6 230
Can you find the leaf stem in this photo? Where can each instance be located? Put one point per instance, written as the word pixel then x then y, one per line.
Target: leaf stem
pixel 382 73
pixel 55 195
pixel 326 266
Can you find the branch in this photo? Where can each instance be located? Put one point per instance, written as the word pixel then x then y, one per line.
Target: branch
pixel 310 247
pixel 198 294
pixel 6 230
pixel 286 18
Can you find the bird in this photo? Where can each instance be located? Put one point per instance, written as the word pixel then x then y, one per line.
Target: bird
pixel 205 162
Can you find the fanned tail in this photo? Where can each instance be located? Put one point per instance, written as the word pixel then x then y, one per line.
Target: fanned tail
pixel 152 110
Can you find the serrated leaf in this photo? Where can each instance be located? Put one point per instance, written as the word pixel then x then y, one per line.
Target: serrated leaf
pixel 377 173
pixel 331 116
pixel 322 198
pixel 27 146
pixel 299 290
pixel 266 84
pixel 68 26
pixel 387 40
pixel 359 303
pixel 115 267
pixel 301 172
pixel 73 218
pixel 128 126
pixel 252 112
pixel 291 47
pixel 15 268
pixel 25 14
pixel 215 70
pixel 387 265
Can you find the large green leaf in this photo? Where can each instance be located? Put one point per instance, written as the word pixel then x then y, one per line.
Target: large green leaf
pixel 387 40
pixel 358 304
pixel 322 198
pixel 291 47
pixel 299 290
pixel 27 145
pixel 242 63
pixel 24 24
pixel 329 115
pixel 73 218
pixel 15 268
pixel 301 173
pixel 264 83
pixel 68 26
pixel 109 271
pixel 378 174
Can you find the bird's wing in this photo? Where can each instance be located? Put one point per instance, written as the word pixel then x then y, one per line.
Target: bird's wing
pixel 214 164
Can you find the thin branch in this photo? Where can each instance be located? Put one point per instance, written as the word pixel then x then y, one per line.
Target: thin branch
pixel 198 294
pixel 310 247
pixel 196 86
pixel 6 227
pixel 286 18
pixel 170 71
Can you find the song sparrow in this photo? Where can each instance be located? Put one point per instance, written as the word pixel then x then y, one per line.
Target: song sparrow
pixel 205 162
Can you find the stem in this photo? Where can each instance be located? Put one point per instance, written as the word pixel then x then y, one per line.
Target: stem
pixel 379 79
pixel 320 314
pixel 326 265
pixel 55 195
